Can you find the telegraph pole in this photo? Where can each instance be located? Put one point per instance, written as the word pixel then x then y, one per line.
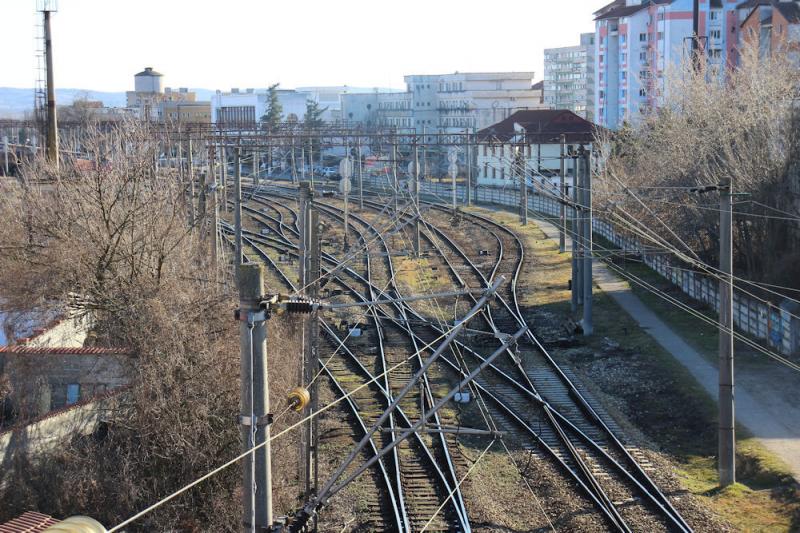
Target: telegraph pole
pixel 52 121
pixel 360 177
pixel 418 214
pixel 394 173
pixel 588 327
pixel 312 359
pixel 190 171
pixel 5 154
pixel 224 176
pixel 523 187
pixel 576 237
pixel 211 198
pixel 254 399
pixel 469 170
pixel 237 214
pixel 562 230
pixel 727 430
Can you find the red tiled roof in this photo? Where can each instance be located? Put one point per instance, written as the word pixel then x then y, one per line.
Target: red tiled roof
pixel 49 350
pixel 30 522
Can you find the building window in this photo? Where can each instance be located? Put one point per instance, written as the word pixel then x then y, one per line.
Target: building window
pixel 622 40
pixel 485 150
pixel 713 15
pixel 715 53
pixel 486 170
pixel 623 58
pixel 494 173
pixel 715 34
pixel 503 173
pixel 73 393
pixel 642 37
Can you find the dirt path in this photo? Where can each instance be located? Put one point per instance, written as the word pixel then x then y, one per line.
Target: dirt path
pixel 771 413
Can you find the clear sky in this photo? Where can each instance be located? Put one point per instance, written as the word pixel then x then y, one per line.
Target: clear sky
pixel 219 44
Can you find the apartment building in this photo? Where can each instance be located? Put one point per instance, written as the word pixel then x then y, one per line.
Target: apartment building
pixel 447 103
pixel 569 77
pixel 774 26
pixel 637 40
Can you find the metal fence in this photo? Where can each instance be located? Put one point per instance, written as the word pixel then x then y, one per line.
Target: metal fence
pixel 771 323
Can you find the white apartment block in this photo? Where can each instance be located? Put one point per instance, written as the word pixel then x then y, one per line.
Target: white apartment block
pixel 447 103
pixel 637 40
pixel 569 77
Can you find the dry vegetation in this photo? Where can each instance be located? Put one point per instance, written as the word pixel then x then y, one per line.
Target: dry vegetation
pixel 121 238
pixel 740 127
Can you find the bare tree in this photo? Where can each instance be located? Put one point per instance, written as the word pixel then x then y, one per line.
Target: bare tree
pixel 740 125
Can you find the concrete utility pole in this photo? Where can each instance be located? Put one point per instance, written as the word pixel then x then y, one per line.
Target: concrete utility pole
pixel 5 153
pixel 237 214
pixel 588 327
pixel 52 121
pixel 417 213
pixel 394 173
pixel 346 192
pixel 311 159
pixel 256 165
pixel 360 177
pixel 576 237
pixel 469 170
pixel 224 176
pixel 190 172
pixel 303 162
pixel 311 365
pixel 254 400
pixel 562 230
pixel 212 204
pixel 727 430
pixel 696 33
pixel 523 187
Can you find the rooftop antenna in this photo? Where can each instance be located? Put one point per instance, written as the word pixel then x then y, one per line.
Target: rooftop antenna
pixel 45 100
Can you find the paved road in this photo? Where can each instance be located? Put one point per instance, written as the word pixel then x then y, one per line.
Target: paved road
pixel 761 406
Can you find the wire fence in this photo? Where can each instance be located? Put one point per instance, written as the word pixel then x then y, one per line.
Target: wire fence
pixel 773 324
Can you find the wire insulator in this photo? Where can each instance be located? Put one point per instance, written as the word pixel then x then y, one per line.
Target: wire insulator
pixel 299 398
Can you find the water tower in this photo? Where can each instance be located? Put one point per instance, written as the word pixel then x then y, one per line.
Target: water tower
pixel 148 81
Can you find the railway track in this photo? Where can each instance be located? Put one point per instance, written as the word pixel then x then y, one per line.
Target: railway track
pixel 419 484
pixel 569 430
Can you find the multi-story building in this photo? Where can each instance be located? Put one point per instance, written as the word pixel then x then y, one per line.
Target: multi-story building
pixel 151 101
pixel 569 77
pixel 447 103
pixel 637 40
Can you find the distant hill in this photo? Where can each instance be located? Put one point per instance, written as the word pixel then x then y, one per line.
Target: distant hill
pixel 14 102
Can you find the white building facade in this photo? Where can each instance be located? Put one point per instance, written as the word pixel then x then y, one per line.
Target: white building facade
pixel 246 107
pixel 569 77
pixel 447 103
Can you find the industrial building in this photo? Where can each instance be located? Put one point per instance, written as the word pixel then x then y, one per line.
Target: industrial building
pixel 150 100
